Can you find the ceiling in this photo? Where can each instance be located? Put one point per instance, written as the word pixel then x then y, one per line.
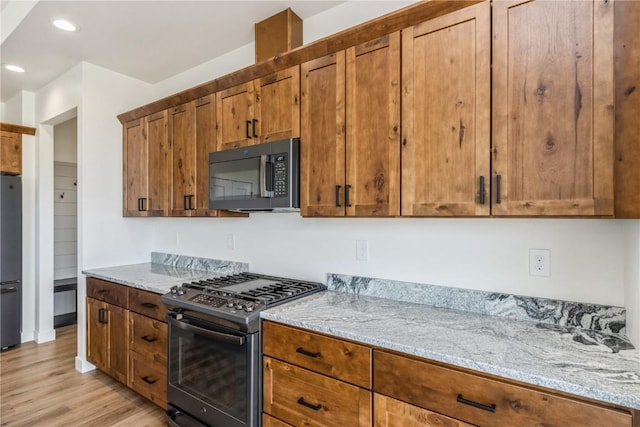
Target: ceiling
pixel 147 40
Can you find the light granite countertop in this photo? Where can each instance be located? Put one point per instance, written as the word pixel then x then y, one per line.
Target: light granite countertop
pixel 569 347
pixel 165 271
pixel 536 353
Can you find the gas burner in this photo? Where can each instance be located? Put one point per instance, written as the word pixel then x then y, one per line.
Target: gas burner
pixel 238 298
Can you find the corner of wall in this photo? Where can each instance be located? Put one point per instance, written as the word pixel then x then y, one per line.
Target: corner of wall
pixel 632 281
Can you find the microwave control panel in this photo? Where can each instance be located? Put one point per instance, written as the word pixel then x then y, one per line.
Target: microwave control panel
pixel 280 184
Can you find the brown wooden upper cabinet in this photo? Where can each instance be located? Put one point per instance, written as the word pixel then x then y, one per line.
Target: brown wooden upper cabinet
pixel 10 153
pixel 350 144
pixel 263 110
pixel 193 137
pixel 553 112
pixel 446 102
pixel 146 166
pixel 11 147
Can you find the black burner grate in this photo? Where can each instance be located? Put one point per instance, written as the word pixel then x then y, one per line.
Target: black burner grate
pixel 281 290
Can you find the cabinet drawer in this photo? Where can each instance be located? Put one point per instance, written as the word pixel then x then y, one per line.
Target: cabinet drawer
pixel 339 359
pixel 269 421
pixel 454 393
pixel 110 292
pixel 149 379
pixel 148 338
pixel 388 412
pixel 147 303
pixel 301 397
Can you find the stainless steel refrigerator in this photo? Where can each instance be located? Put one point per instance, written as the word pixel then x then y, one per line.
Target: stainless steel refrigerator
pixel 10 260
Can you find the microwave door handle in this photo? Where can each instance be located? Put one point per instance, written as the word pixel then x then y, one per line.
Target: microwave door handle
pixel 217 336
pixel 266 177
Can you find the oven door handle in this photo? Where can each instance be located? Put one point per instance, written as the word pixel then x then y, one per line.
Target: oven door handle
pixel 218 336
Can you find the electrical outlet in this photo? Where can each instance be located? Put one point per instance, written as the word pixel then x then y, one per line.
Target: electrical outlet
pixel 362 250
pixel 540 262
pixel 231 241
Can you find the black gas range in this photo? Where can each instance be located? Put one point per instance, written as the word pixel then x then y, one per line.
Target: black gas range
pixel 214 367
pixel 238 298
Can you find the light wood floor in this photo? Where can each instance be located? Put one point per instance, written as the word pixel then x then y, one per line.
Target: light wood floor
pixel 39 386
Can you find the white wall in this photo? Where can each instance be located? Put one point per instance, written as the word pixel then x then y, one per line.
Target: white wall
pixel 632 280
pixel 587 256
pixel 65 222
pixel 104 237
pixel 65 141
pixel 56 102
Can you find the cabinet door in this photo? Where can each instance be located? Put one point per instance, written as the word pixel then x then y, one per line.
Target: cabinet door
pixel 182 136
pixel 205 124
pixel 553 108
pixel 10 153
pixel 446 114
pixel 158 164
pixel 97 334
pixel 278 105
pixel 108 338
pixel 135 167
pixel 388 412
pixel 118 342
pixel 322 144
pixel 234 117
pixel 373 128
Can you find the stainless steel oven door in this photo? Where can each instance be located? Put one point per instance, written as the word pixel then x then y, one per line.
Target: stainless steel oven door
pixel 213 372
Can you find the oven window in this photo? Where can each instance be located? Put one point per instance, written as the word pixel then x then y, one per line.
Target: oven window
pixel 211 370
pixel 236 179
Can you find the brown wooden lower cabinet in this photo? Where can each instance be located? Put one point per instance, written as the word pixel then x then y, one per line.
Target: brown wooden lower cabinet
pixel 108 338
pixel 308 383
pixel 127 337
pixel 483 401
pixel 269 421
pixel 340 359
pixel 148 379
pixel 148 358
pixel 388 412
pixel 302 397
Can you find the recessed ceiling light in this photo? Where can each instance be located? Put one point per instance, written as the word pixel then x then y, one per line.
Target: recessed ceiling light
pixel 14 68
pixel 64 25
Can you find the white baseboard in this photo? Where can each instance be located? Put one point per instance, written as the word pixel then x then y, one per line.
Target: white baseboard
pixel 45 336
pixel 26 336
pixel 83 366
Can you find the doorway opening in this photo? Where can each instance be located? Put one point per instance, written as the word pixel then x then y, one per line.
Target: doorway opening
pixel 65 223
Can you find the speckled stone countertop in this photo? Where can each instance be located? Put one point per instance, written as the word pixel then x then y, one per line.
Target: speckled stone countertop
pixel 165 271
pixel 568 359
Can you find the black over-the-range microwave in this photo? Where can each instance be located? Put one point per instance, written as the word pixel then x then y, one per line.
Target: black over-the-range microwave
pixel 263 177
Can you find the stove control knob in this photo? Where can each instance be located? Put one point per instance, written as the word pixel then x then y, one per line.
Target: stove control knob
pixel 180 291
pixel 230 304
pixel 239 306
pixel 249 308
pixel 174 290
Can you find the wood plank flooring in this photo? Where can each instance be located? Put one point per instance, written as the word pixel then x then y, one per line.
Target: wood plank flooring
pixel 39 386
